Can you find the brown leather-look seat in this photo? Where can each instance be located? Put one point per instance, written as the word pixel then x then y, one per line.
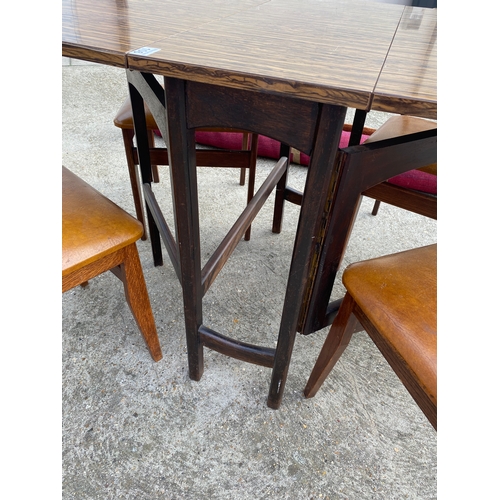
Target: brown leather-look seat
pixel 394 298
pixel 415 191
pixel 243 159
pixel 124 119
pixel 99 236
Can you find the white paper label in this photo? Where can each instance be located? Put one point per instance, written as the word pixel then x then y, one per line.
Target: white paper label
pixel 144 51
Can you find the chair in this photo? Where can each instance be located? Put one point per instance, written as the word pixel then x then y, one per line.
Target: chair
pixel 416 190
pixel 394 299
pixel 99 236
pixel 243 159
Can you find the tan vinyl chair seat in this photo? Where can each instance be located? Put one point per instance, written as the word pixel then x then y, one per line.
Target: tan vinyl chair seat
pixel 99 236
pixel 394 298
pixel 93 226
pixel 398 294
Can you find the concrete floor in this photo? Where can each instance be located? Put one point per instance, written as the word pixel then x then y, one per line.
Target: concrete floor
pixel 136 429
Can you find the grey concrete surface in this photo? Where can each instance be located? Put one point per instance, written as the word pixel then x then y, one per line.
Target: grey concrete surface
pixel 136 429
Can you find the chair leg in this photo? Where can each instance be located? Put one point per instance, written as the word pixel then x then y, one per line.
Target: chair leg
pixel 251 175
pixel 337 340
pixel 138 299
pixel 279 200
pixel 376 206
pixel 128 138
pixel 154 168
pixel 244 146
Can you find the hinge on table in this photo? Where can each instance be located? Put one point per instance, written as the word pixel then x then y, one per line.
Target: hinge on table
pixel 313 269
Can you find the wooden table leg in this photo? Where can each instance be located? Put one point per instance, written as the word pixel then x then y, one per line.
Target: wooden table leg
pixel 319 183
pixel 142 138
pixel 181 146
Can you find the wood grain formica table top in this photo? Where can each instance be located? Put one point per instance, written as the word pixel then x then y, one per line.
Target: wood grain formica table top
pixel 325 51
pixel 408 82
pixel 104 31
pixel 355 53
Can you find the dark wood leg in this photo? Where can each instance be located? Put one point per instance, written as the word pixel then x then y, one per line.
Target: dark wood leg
pixel 244 145
pixel 251 174
pixel 376 206
pixel 128 142
pixel 279 201
pixel 357 127
pixel 181 145
pixel 154 168
pixel 337 231
pixel 138 300
pixel 141 134
pixel 337 340
pixel 317 192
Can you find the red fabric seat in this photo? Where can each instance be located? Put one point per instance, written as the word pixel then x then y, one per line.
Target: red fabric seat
pixel 268 148
pixel 416 180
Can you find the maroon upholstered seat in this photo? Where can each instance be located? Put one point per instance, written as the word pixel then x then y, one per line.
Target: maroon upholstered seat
pixel 267 147
pixel 416 180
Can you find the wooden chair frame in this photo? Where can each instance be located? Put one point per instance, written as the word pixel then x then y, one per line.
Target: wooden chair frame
pixel 414 201
pixel 124 263
pixel 351 319
pixel 244 159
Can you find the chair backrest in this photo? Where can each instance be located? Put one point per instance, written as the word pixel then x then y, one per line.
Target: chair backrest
pixel 415 190
pixel 399 125
pixel 358 168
